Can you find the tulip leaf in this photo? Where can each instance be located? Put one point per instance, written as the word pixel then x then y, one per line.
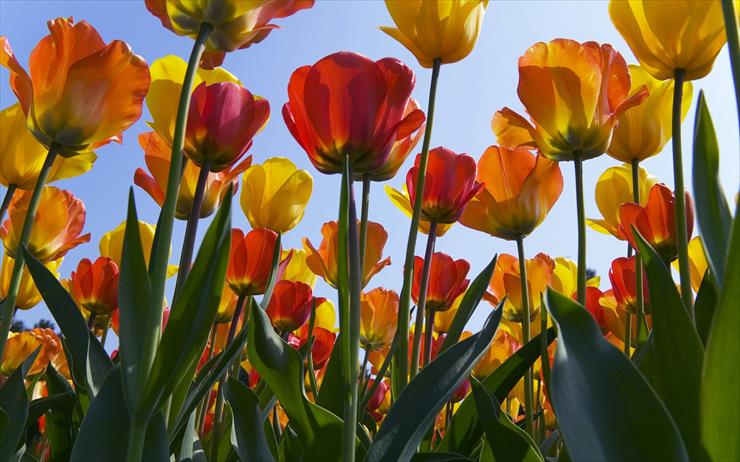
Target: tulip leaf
pixel 712 211
pixel 60 428
pixel 273 276
pixel 14 404
pixel 705 305
pixel 281 367
pixel 468 304
pixel 720 402
pixel 251 443
pixel 193 314
pixel 89 363
pixel 105 429
pixel 413 413
pixel 332 386
pixel 439 457
pixel 508 442
pixel 606 410
pixel 464 431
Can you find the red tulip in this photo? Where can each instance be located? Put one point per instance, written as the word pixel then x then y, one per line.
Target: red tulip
pixel 322 346
pixel 250 260
pixel 622 277
pixel 446 281
pixel 290 305
pixel 94 286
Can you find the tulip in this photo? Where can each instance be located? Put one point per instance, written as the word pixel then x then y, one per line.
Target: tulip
pixel 443 30
pixel 28 293
pixel 236 24
pixel 655 222
pixel 378 312
pixel 323 262
pixel 378 396
pixel 624 284
pixel 616 319
pixel 565 275
pixel 366 100
pixel 446 281
pixel 290 305
pixel 250 261
pixel 322 346
pixel 443 319
pixel 111 243
pixel 275 194
pixel 519 189
pixel 56 227
pixel 595 308
pixel 297 269
pixel 326 316
pixel 614 188
pixel 94 285
pixel 686 36
pixel 506 282
pixel 20 346
pixel 502 346
pixel 401 148
pixel 450 184
pixel 401 200
pixel 697 263
pixel 226 306
pixel 82 93
pixel 157 154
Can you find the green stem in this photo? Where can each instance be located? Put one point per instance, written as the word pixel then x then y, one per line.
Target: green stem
pixel 545 355
pixel 364 216
pixel 104 337
pixel 203 409
pixel 428 330
pixel 422 302
pixel 627 334
pixel 733 45
pixel 364 377
pixel 91 322
pixel 309 354
pixel 526 318
pixel 578 163
pixel 679 195
pixel 6 200
pixel 638 260
pixel 8 305
pixel 136 439
pixel 381 373
pixel 401 361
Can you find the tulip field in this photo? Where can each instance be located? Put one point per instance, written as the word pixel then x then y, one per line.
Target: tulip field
pixel 225 350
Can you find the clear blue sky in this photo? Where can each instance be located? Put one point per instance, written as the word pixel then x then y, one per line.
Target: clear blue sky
pixel 469 93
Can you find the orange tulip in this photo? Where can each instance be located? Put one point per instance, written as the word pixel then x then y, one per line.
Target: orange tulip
pixel 446 281
pixel 502 346
pixel 378 313
pixel 574 93
pixel 20 345
pixel 615 319
pixel 655 221
pixel 56 226
pixel 323 262
pixel 519 189
pixel 81 93
pixel 506 282
pixel 94 286
pixel 623 279
pixel 450 184
pixel 349 105
pixel 401 148
pixel 226 306
pixel 322 346
pixel 157 154
pixel 250 260
pixel 593 306
pixel 290 305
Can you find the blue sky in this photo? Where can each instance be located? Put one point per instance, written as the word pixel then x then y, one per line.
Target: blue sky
pixel 469 93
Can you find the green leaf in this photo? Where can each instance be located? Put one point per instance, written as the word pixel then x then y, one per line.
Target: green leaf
pixel 60 428
pixel 412 415
pixel 605 409
pixel 331 392
pixel 14 403
pixel 720 402
pixel 464 431
pixel 273 276
pixel 439 457
pixel 105 429
pixel 281 367
pixel 508 442
pixel 468 304
pixel 88 361
pixel 251 444
pixel 704 306
pixel 712 211
pixel 193 314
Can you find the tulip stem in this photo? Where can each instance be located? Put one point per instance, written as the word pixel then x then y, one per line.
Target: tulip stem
pixel 422 302
pixel 428 337
pixel 91 322
pixel 581 287
pixel 191 229
pixel 526 333
pixel 638 260
pixel 203 410
pixel 401 365
pixel 733 45
pixel 364 216
pixel 6 200
pixel 545 355
pixel 309 353
pixel 679 195
pixel 104 337
pixel 627 334
pixel 8 305
pixel 381 373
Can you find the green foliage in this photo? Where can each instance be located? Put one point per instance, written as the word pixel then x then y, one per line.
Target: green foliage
pixel 14 407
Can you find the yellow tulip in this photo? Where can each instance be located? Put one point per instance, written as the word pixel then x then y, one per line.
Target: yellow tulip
pixel 111 244
pixel 642 131
pixel 436 29
pixel 668 36
pixel 565 277
pixel 226 306
pixel 297 269
pixel 443 319
pixel 326 314
pixel 275 194
pixel 22 156
pixel 697 262
pixel 613 189
pixel 21 344
pixel 28 294
pixel 401 200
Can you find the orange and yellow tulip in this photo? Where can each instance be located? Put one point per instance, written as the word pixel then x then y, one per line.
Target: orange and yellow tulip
pixel 28 293
pixel 565 277
pixel 347 105
pixel 226 306
pixel 502 346
pixel 250 260
pixel 685 34
pixel 447 280
pixel 443 319
pixel 519 189
pixel 56 226
pixel 401 200
pixel 444 30
pixel 323 262
pixel 21 344
pixel 506 282
pixel 450 184
pixel 697 262
pixel 574 93
pixel 624 284
pixel 615 320
pixel 378 313
pixel 296 269
pixel 94 285
pixel 655 221
pixel 81 93
pixel 111 244
pixel 401 148
pixel 290 305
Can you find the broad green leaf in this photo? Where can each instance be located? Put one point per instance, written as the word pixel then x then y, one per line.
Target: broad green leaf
pixel 331 392
pixel 14 403
pixel 281 367
pixel 193 314
pixel 412 415
pixel 439 457
pixel 251 444
pixel 704 306
pixel 508 442
pixel 60 427
pixel 679 354
pixel 712 211
pixel 464 431
pixel 605 409
pixel 468 304
pixel 105 429
pixel 273 276
pixel 720 401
